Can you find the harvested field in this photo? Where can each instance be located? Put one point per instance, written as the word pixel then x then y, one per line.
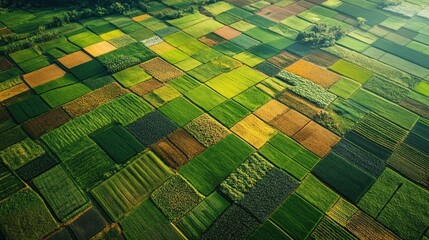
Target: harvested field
pixel 186 143
pixel 321 58
pixel 92 100
pixel 254 131
pixel 100 48
pixel 142 17
pixel 317 139
pixel 316 74
pixel 271 110
pixel 161 70
pixel 211 39
pixel 13 91
pixel 42 124
pixel 294 101
pixel 43 75
pixel 170 154
pixel 74 59
pixel 290 122
pixel 146 87
pixel 365 227
pixel 227 32
pixel 275 13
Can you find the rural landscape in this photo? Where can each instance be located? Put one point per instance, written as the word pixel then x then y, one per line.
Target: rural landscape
pixel 207 119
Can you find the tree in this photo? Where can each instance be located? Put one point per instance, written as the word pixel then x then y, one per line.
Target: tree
pixel 361 21
pixel 321 35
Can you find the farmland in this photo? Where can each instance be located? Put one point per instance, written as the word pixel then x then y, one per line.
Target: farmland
pixel 218 119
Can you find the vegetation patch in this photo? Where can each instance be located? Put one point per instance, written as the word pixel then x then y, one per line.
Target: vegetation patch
pixel 161 70
pixel 343 176
pixel 88 224
pixel 360 157
pixel 118 143
pixel 194 223
pixel 320 35
pixel 28 108
pixel 206 174
pixel 234 223
pixel 307 89
pixel 175 197
pixel 314 73
pixel 25 216
pixel 74 59
pixel 297 217
pixel 131 76
pixel 316 193
pixel 9 182
pixel 20 153
pixel 148 222
pixel 268 194
pixel 181 111
pixel 60 96
pixel 36 167
pixel 207 130
pixel 67 200
pixel 137 179
pixel 94 99
pixel 245 177
pixel 151 128
pixel 43 75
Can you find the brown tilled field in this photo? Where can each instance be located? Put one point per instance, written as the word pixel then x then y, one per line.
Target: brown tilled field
pixel 275 13
pixel 146 87
pixel 42 124
pixel 316 138
pixel 290 122
pixel 310 71
pixel 74 59
pixel 227 32
pixel 270 110
pixel 44 75
pixel 13 91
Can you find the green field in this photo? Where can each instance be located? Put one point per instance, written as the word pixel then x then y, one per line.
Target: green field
pixel 207 119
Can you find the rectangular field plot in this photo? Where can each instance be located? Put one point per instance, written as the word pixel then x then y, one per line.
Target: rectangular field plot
pixel 181 111
pixel 147 221
pixel 67 199
pixel 9 183
pixel 352 71
pixel 297 217
pixel 141 177
pixel 123 110
pixel 210 168
pixel 28 108
pixel 17 217
pixel 118 143
pixel 388 110
pixel 343 176
pixel 131 76
pixel 199 219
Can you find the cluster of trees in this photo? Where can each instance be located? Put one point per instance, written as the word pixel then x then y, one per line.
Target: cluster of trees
pixel 321 35
pixel 41 36
pixel 387 3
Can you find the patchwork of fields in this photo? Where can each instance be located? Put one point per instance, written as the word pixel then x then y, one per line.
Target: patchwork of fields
pixel 219 124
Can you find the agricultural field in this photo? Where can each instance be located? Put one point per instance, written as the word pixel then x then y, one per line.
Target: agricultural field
pixel 218 119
